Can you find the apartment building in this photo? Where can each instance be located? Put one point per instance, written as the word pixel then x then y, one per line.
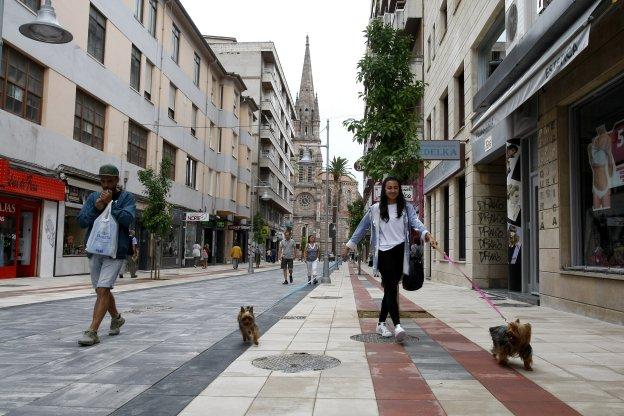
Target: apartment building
pixel 534 208
pixel 137 83
pixel 259 66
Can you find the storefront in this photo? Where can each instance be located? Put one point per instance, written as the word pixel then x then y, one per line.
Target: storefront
pixel 26 201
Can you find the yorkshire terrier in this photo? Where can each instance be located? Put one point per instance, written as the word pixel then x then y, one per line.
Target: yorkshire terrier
pixel 512 340
pixel 247 324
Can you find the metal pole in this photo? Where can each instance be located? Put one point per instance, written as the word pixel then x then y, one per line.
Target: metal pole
pixel 250 268
pixel 326 278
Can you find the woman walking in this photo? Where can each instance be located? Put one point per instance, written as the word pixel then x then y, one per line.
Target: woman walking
pixel 311 256
pixel 204 256
pixel 392 220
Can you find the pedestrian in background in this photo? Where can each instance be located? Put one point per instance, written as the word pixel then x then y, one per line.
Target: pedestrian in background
pixel 392 220
pixel 104 269
pixel 196 254
pixel 257 255
pixel 133 255
pixel 236 253
pixel 311 256
pixel 287 253
pixel 205 253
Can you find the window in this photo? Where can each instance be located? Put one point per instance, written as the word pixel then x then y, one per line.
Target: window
pixel 236 101
pixel 221 96
pixel 74 243
pixel 233 188
pixel 429 52
pixel 461 188
pixel 149 68
pixel 97 34
pixel 235 145
pixel 194 120
pixel 196 69
pixel 443 20
pixel 213 91
pixel 175 44
pixel 191 172
pixel 310 173
pixel 21 85
pixel 445 218
pixel 137 144
pixel 445 117
pixel 213 135
pixel 213 182
pixel 151 17
pixel 433 41
pixel 219 139
pixel 429 132
pixel 491 51
pixel 302 167
pixel 598 197
pixel 173 91
pixel 138 10
pixel 170 152
pixel 460 106
pixel 135 68
pixel 89 120
pixel 33 5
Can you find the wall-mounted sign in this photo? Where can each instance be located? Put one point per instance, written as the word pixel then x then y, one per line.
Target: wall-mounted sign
pixel 408 193
pixel 25 183
pixel 197 216
pixel 239 227
pixel 440 149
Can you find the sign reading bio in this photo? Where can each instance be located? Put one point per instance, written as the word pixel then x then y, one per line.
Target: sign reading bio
pixel 408 193
pixel 197 216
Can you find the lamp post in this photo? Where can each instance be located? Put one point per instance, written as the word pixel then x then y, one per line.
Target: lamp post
pixel 265 197
pixel 307 159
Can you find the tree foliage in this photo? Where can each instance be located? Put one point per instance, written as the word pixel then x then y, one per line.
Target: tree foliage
pixel 157 217
pixel 258 225
pixel 356 213
pixel 337 169
pixel 391 95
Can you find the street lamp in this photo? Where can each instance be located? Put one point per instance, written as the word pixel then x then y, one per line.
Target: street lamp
pixel 264 197
pixel 307 159
pixel 46 28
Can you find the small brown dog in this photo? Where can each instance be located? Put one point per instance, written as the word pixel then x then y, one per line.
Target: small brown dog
pixel 247 324
pixel 513 339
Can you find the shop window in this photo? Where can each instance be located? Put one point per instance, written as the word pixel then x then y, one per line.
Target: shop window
pixel 171 244
pixel 21 85
pixel 491 51
pixel 137 144
pixel 74 236
pixel 97 34
pixel 89 120
pixel 169 152
pixel 599 146
pixel 446 219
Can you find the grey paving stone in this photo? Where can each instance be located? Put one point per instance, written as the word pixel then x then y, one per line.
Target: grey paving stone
pixel 120 374
pixel 31 410
pixel 455 371
pixel 154 405
pixel 92 395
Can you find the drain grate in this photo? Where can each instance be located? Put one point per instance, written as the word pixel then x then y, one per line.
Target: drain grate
pixel 374 338
pixel 325 297
pixel 514 305
pixel 149 308
pixel 297 362
pixel 402 314
pixel 294 317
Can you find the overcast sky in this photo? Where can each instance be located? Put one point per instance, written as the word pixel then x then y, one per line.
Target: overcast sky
pixel 336 44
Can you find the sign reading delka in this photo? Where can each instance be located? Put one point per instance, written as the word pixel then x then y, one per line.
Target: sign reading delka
pixel 440 149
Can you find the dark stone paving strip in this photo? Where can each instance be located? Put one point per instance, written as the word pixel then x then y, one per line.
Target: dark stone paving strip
pixel 174 392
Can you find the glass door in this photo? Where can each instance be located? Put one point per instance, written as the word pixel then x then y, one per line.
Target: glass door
pixel 27 241
pixel 8 246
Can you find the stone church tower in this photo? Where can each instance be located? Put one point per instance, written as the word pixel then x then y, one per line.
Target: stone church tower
pixel 309 203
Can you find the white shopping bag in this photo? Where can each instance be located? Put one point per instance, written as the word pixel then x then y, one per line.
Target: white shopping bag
pixel 103 237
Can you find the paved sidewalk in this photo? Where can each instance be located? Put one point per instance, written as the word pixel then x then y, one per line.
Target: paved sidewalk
pixel 24 291
pixel 578 362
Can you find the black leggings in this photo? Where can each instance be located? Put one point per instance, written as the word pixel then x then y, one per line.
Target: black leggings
pixel 390 266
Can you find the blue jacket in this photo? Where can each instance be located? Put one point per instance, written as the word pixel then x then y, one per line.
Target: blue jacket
pixel 372 220
pixel 123 210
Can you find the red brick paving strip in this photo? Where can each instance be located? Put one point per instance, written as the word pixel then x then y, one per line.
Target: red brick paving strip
pixel 516 392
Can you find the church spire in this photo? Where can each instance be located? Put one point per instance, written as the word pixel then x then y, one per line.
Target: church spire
pixel 307 104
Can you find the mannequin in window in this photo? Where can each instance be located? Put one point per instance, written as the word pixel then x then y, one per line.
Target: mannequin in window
pixel 602 165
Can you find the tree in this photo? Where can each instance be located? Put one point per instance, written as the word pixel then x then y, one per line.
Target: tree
pixel 337 168
pixel 258 225
pixel 157 216
pixel 356 213
pixel 392 96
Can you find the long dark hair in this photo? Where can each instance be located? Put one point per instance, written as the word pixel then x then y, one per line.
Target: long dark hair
pixel 383 202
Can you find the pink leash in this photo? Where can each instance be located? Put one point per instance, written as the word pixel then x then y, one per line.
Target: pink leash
pixel 475 286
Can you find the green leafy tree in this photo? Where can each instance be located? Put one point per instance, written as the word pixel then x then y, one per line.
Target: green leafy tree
pixel 392 96
pixel 356 213
pixel 157 218
pixel 337 169
pixel 258 225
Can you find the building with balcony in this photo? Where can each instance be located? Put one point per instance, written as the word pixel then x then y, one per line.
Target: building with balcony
pixel 259 66
pixel 137 83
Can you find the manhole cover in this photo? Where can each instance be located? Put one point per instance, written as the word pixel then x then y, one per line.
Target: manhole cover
pixel 374 338
pixel 325 297
pixel 294 317
pixel 150 308
pixel 514 305
pixel 402 314
pixel 297 362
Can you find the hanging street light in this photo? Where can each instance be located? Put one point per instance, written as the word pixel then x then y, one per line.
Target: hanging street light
pixel 46 28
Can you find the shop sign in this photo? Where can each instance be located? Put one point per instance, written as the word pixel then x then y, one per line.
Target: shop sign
pixel 220 224
pixel 24 183
pixel 265 231
pixel 239 227
pixel 7 208
pixel 197 216
pixel 440 149
pixel 77 195
pixel 408 193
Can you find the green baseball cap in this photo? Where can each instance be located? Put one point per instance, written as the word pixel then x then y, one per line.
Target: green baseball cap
pixel 109 170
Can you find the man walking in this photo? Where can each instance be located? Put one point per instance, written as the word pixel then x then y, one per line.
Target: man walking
pixel 287 252
pixel 132 256
pixel 104 269
pixel 236 253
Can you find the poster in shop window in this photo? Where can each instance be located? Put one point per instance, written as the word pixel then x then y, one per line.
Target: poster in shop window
pixel 514 206
pixel 606 159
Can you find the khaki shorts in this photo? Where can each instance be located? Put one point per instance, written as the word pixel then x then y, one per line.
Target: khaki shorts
pixel 287 263
pixel 104 270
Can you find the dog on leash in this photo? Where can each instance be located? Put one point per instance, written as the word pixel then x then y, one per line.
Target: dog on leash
pixel 247 324
pixel 513 339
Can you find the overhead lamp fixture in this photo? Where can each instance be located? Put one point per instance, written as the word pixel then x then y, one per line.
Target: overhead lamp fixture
pixel 46 28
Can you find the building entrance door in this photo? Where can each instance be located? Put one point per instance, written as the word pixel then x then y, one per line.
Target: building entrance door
pixel 19 222
pixel 8 243
pixel 531 238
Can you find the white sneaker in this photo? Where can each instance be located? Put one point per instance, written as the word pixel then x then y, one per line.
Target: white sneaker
pixel 399 333
pixel 383 330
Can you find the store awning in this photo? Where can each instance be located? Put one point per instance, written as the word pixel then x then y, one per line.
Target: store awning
pixel 485 140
